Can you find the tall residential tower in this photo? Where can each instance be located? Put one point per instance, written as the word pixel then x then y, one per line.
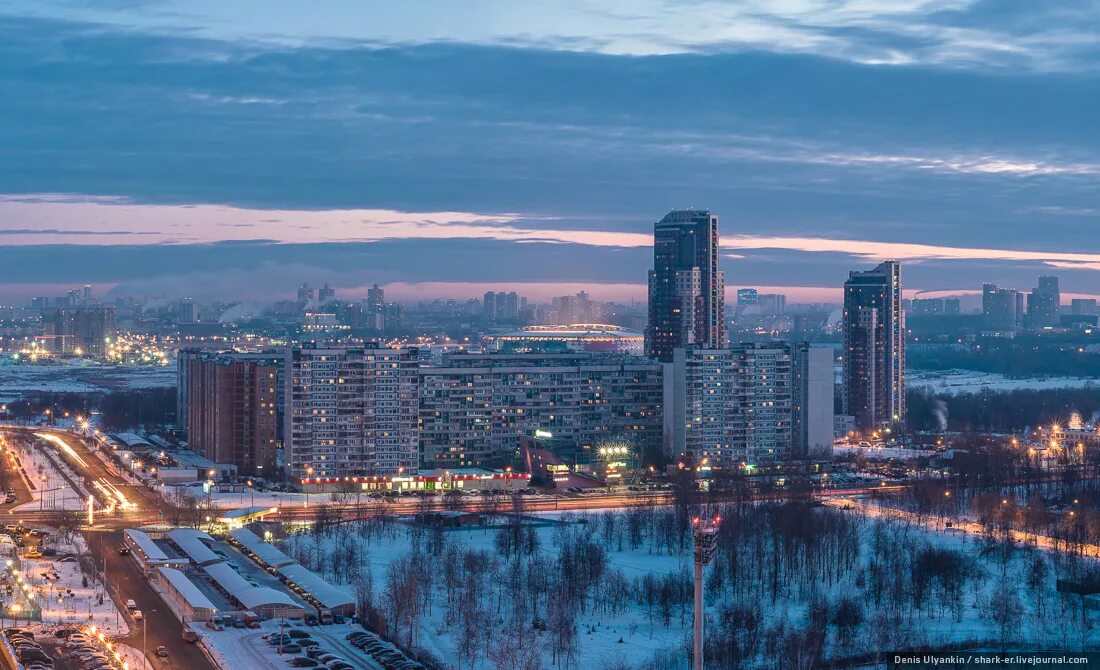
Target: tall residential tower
pixel 686 288
pixel 874 348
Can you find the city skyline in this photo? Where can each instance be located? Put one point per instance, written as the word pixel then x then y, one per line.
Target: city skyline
pixel 416 160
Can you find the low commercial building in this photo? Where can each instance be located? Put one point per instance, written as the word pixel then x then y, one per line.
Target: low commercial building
pixel 191 543
pixel 317 591
pixel 266 602
pixel 184 597
pixel 146 552
pixel 255 548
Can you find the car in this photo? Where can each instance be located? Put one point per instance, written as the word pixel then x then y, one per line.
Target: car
pixel 311 620
pixel 291 649
pixel 314 652
pixel 304 662
pixel 276 639
pixel 138 616
pixel 131 605
pixel 356 633
pixel 123 550
pixel 340 665
pixel 65 632
pixel 162 651
pixel 298 633
pixel 337 618
pixel 307 642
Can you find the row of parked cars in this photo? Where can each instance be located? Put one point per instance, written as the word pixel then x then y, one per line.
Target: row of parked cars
pixel 86 650
pixel 386 655
pixel 27 650
pixel 298 641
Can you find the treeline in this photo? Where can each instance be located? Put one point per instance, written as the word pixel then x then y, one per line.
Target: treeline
pixel 1008 357
pixel 129 409
pixel 999 411
pixel 119 410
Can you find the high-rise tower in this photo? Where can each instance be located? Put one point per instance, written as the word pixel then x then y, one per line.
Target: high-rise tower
pixel 686 288
pixel 874 347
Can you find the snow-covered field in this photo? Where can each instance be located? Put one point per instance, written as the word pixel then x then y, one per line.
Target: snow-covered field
pixel 79 376
pixel 971 381
pixel 899 584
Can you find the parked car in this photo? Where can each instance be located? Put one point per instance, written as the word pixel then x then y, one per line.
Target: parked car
pixel 291 648
pixel 304 662
pixel 162 651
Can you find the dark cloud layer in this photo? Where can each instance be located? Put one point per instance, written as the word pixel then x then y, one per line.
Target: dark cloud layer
pixel 795 145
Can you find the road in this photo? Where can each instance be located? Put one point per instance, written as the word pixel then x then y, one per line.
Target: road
pixel 958 524
pixel 124 581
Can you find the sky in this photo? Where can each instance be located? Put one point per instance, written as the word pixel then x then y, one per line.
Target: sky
pixel 444 148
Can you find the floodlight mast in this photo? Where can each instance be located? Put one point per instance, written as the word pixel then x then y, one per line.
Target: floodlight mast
pixel 706 541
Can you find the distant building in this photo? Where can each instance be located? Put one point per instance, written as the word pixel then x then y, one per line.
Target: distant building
pixel 746 297
pixel 772 303
pixel 874 347
pixel 351 411
pixel 80 331
pixel 686 286
pixel 1084 306
pixel 501 306
pixel 326 294
pixel 232 414
pixel 1002 308
pixel 587 337
pixel 305 293
pixel 1043 303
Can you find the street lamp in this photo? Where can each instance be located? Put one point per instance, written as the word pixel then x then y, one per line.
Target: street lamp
pixel 309 472
pixel 144 630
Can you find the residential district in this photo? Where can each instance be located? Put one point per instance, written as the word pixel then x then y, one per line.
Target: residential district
pixel 338 483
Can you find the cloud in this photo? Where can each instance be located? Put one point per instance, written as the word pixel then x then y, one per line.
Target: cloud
pixel 943 33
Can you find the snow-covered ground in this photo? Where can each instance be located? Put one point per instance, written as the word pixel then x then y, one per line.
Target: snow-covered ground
pixel 61 593
pixel 972 381
pixel 79 376
pixel 634 636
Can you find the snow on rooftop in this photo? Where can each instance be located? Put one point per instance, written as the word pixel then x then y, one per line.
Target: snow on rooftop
pixel 145 543
pixel 247 594
pixel 190 542
pixel 266 552
pixel 186 588
pixel 328 595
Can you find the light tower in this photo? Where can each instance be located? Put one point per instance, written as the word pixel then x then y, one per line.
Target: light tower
pixel 706 541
